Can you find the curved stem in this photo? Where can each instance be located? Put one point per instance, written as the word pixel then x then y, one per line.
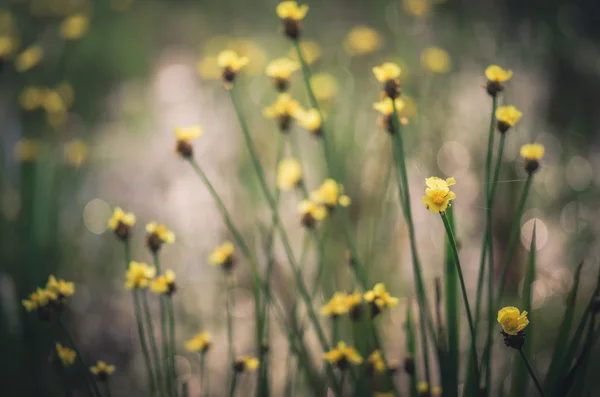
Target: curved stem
pixel 531 373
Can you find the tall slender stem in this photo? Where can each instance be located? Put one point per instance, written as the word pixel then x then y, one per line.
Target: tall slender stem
pixel 531 373
pixel 164 333
pixel 153 345
pixel 172 339
pixel 230 348
pixel 107 388
pixel 204 380
pixel 233 384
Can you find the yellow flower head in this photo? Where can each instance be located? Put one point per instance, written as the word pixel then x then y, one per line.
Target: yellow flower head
pixel 386 106
pixel 342 355
pixel 31 98
pixel 282 68
pixel 354 300
pixel 376 363
pixel 164 283
pixel 417 8
pixel 289 174
pixel 246 363
pixel 507 117
pixel 291 10
pixel 222 255
pixel 102 370
pixel 229 59
pixel 74 27
pixel 184 136
pixel 199 343
pixel 7 45
pixel 53 102
pixel 66 355
pixel 532 151
pixel 380 299
pixel 362 40
pixel 386 72
pixel 121 223
pixel 330 194
pixel 311 212
pixel 423 387
pixel 157 235
pixel 512 320
pixel 309 119
pixel 311 51
pixel 283 106
pixel 435 60
pixel 139 275
pixel 337 305
pixel 39 299
pixel 29 58
pixel 436 391
pixel 438 194
pixel 496 74
pixel 61 288
pixel 324 86
pixel 75 152
pixel 26 149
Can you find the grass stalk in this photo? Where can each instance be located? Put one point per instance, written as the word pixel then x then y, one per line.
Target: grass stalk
pixel 164 334
pixel 147 315
pixel 172 340
pixel 204 380
pixel 452 311
pixel 532 373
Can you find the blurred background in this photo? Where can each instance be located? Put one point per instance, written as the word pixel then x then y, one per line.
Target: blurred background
pixel 88 109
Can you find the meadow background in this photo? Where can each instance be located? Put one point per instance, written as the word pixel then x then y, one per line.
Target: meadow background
pixel 145 67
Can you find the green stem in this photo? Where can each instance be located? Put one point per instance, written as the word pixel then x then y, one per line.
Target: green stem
pixel 153 345
pixel 164 333
pixel 172 339
pixel 141 332
pixel 535 380
pixel 107 388
pixel 230 303
pixel 233 384
pixel 204 380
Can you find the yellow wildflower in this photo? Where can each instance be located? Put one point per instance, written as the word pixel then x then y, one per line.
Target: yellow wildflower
pixel 337 305
pixel 532 153
pixel 76 152
pixel 362 40
pixel 184 136
pixel 436 391
pixel 330 194
pixel 376 363
pixel 164 283
pixel 423 388
pixel 245 363
pixel 223 256
pixel 29 58
pixel 289 174
pixel 139 275
pixel 66 355
pixel 379 299
pixel 309 119
pixel 60 287
pixel 311 52
pixel 438 194
pixel 53 103
pixel 512 320
pixel 342 356
pixel 324 86
pixel 7 46
pixel 39 299
pixel 417 8
pixel 280 70
pixel 311 213
pixel 74 27
pixel 26 149
pixel 496 76
pixel 354 303
pixel 251 50
pixel 291 14
pixel 388 74
pixel 121 223
pixel 102 370
pixel 230 63
pixel 282 110
pixel 31 98
pixel 386 106
pixel 507 117
pixel 199 343
pixel 157 235
pixel 435 60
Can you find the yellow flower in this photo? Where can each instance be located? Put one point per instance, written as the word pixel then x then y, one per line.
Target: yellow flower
pixel 102 370
pixel 512 320
pixel 76 152
pixel 53 103
pixel 199 343
pixel 311 51
pixel 386 106
pixel 184 136
pixel 436 391
pixel 337 305
pixel 245 363
pixel 7 46
pixel 496 74
pixel 342 355
pixel 222 255
pixel 532 153
pixel 280 70
pixel 507 117
pixel 417 8
pixel 423 387
pixel 362 40
pixel 66 355
pixel 289 174
pixel 438 194
pixel 26 150
pixel 139 275
pixel 31 98
pixel 324 86
pixel 74 27
pixel 251 50
pixel 376 363
pixel 121 223
pixel 435 60
pixel 29 58
pixel 309 119
pixel 282 110
pixel 386 72
pixel 208 68
pixel 61 288
pixel 157 235
pixel 354 301
pixel 380 299
pixel 311 212
pixel 39 299
pixel 230 63
pixel 164 283
pixel 291 10
pixel 330 194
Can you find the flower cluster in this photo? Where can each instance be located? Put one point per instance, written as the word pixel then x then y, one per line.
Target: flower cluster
pixel 51 299
pixel 438 194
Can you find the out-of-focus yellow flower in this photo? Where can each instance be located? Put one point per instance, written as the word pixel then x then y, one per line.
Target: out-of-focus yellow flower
pixel 324 86
pixel 66 355
pixel 199 343
pixel 39 299
pixel 184 136
pixel 251 50
pixel 386 106
pixel 417 8
pixel 354 303
pixel 376 363
pixel 342 356
pixel 102 370
pixel 223 256
pixel 280 70
pixel 282 110
pixel 31 98
pixel 512 320
pixel 164 283
pixel 496 76
pixel 311 52
pixel 309 119
pixel 409 110
pixel 157 235
pixel 53 102
pixel 435 60
pixel 208 68
pixel 74 27
pixel 61 288
pixel 139 275
pixel 507 117
pixel 337 305
pixel 8 46
pixel 311 212
pixel 245 363
pixel 330 194
pixel 121 223
pixel 26 149
pixel 29 58
pixel 380 299
pixel 230 63
pixel 291 10
pixel 438 194
pixel 362 40
pixel 436 391
pixel 76 152
pixel 289 174
pixel 423 388
pixel 387 71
